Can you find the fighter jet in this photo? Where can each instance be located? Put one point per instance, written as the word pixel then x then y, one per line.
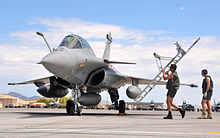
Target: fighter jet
pixel 76 67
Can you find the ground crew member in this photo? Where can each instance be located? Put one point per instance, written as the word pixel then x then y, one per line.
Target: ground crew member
pixel 207 89
pixel 172 85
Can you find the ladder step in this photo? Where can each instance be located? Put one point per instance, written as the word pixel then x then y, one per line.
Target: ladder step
pixel 158 58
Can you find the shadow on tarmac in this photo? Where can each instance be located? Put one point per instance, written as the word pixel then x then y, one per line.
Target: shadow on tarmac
pixel 40 114
pixel 50 114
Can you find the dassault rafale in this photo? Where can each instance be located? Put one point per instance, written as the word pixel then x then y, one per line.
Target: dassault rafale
pixel 74 66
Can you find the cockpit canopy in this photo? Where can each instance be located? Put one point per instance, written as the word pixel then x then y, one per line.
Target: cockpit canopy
pixel 76 42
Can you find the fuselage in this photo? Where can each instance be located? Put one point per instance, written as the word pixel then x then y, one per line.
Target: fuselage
pixel 77 64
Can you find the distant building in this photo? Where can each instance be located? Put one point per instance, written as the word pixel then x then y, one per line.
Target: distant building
pixel 8 100
pixel 36 104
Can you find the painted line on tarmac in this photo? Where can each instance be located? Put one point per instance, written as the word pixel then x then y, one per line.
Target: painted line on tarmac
pixel 92 131
pixel 214 132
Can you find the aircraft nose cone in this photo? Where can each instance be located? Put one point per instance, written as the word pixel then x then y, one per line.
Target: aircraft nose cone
pixel 57 63
pixel 52 60
pixel 48 60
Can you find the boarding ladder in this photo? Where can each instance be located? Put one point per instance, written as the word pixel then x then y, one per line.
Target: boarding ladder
pixel 180 54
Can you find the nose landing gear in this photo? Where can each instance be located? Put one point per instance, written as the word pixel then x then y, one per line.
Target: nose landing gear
pixel 72 106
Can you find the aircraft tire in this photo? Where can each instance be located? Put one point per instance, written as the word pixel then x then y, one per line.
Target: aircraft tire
pixel 79 111
pixel 121 106
pixel 72 110
pixel 68 105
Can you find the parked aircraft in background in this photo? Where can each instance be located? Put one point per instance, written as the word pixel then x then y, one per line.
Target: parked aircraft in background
pixel 55 102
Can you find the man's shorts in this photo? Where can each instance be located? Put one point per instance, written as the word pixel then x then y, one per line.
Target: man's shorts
pixel 171 92
pixel 209 96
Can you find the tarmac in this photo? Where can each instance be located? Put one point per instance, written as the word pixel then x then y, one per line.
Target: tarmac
pixel 48 123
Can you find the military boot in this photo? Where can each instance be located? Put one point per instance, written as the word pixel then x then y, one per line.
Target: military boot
pixel 182 112
pixel 209 116
pixel 203 116
pixel 169 116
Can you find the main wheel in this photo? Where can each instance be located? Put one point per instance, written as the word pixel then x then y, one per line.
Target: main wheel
pixel 68 105
pixel 121 106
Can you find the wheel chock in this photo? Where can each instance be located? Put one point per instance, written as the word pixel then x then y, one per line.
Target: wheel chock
pixel 120 114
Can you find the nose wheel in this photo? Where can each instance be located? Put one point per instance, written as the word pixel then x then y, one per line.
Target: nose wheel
pixel 72 106
pixel 73 109
pixel 68 106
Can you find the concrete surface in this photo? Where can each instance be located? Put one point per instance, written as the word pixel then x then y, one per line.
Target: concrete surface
pixel 45 123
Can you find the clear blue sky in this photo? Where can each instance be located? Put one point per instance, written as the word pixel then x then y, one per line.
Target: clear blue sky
pixel 182 19
pixel 187 17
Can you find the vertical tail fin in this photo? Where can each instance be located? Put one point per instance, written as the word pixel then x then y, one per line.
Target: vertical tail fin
pixel 106 54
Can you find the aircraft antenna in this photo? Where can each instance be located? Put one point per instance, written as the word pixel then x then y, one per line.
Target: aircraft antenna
pixel 41 34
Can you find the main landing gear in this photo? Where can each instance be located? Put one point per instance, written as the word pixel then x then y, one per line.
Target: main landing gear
pixel 72 106
pixel 121 107
pixel 114 98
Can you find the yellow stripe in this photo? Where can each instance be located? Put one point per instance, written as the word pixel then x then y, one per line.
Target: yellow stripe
pixel 214 132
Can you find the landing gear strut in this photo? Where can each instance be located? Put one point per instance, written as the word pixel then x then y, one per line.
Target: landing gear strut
pixel 114 98
pixel 73 106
